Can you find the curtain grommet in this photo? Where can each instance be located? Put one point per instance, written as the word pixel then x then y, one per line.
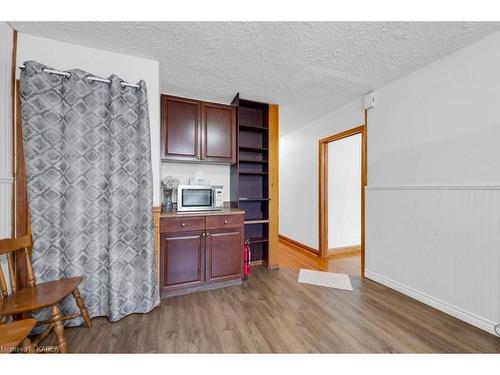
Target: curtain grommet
pixel 124 84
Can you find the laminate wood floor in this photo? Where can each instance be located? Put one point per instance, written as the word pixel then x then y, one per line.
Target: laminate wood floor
pixel 272 313
pixel 290 257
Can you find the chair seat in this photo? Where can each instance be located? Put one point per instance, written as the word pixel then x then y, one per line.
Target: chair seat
pixel 12 334
pixel 38 297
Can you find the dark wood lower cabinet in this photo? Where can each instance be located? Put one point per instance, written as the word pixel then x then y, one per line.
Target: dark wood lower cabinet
pixel 182 260
pixel 222 261
pixel 208 257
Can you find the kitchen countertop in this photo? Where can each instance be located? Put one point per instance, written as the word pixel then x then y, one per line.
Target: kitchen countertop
pixel 224 211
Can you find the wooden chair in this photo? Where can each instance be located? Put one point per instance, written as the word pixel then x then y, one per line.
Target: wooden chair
pixel 16 333
pixel 38 296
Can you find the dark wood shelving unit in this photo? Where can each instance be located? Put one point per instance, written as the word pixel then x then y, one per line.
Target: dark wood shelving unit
pixel 255 173
pixel 257 239
pixel 256 149
pixel 254 199
pixel 255 221
pixel 250 174
pixel 253 128
pixel 244 161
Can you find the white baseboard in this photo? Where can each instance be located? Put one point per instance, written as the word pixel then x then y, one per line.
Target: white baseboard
pixel 438 304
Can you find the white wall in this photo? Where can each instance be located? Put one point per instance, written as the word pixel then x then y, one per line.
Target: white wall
pixel 440 125
pixel 6 152
pixel 433 202
pixel 64 56
pixel 298 171
pixel 218 174
pixel 344 194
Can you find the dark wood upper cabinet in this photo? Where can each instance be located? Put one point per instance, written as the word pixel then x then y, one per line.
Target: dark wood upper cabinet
pixel 193 130
pixel 181 128
pixel 219 133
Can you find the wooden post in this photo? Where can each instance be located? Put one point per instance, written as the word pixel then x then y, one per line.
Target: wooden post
pixel 156 224
pixel 273 185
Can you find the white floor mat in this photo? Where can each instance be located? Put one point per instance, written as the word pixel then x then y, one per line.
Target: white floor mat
pixel 328 279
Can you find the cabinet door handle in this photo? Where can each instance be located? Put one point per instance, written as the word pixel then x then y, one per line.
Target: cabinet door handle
pixel 202 158
pixel 225 221
pixel 203 234
pixel 183 225
pixel 208 233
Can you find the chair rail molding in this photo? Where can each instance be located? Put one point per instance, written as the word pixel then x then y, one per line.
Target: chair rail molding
pixel 6 180
pixel 434 187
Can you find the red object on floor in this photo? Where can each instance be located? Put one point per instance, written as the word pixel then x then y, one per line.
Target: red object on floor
pixel 246 259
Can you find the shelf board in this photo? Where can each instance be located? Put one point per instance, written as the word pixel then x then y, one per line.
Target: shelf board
pixel 253 161
pixel 255 173
pixel 253 199
pixel 257 149
pixel 253 128
pixel 257 239
pixel 256 221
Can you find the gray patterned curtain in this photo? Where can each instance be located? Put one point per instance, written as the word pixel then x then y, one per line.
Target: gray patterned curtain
pixel 88 166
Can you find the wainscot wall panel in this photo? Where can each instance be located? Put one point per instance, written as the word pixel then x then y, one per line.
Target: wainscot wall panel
pixel 440 245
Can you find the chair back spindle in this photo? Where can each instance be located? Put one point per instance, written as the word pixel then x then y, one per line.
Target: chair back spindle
pixel 3 285
pixel 29 268
pixel 9 246
pixel 12 272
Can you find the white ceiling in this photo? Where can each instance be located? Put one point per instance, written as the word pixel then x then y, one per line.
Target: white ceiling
pixel 311 68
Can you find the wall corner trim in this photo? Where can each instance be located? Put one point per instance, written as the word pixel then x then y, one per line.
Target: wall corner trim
pixel 436 303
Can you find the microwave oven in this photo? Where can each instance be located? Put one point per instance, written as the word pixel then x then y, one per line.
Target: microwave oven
pixel 199 198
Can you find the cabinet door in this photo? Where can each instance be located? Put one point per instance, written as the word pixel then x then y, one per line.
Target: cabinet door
pixel 224 255
pixel 182 260
pixel 219 133
pixel 181 130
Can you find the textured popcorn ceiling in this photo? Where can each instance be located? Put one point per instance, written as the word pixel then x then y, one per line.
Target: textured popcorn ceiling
pixel 311 68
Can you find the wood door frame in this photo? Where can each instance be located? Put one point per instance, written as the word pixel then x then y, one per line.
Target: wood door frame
pixel 273 181
pixel 323 189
